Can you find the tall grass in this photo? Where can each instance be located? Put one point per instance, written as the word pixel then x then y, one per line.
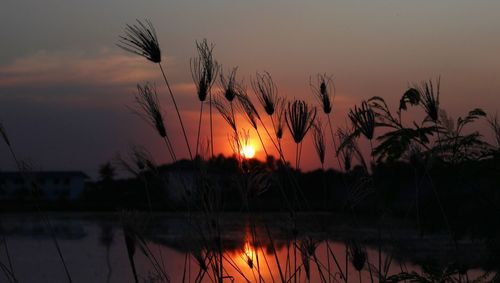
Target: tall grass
pixel 141 39
pixel 204 70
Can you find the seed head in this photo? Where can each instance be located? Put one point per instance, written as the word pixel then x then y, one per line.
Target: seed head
pixel 280 118
pixel 225 112
pixel 324 89
pixel 229 85
pixel 266 92
pixel 141 39
pixel 363 119
pixel 430 98
pixel 319 140
pixel 299 119
pixel 246 106
pixel 204 69
pixel 149 107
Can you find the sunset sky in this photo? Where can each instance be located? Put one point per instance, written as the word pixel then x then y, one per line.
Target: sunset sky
pixel 65 87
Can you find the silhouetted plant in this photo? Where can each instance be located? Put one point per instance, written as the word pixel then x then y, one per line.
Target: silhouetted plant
pixel 280 119
pixel 357 256
pixel 3 133
pixel 319 141
pixel 457 147
pixel 429 98
pixel 141 39
pixel 25 169
pixel 225 112
pixel 299 119
pixel 250 113
pixel 150 110
pixel 229 84
pixel 247 107
pixel 495 127
pixel 324 90
pixel 266 92
pixel 395 142
pixel 204 70
pixel 363 120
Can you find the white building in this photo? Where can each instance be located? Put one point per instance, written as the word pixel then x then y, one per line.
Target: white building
pixel 52 185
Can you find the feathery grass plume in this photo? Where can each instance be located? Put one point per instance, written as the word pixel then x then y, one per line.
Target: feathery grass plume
pixel 143 158
pixel 307 248
pixel 139 160
pixel 266 92
pixel 229 84
pixel 280 118
pixel 246 106
pixel 363 119
pixel 204 69
pixel 149 107
pixel 130 242
pixel 3 132
pixel 324 90
pixel 319 141
pixel 141 39
pixel 349 148
pixel 429 98
pixel 150 110
pixel 305 259
pixel 299 119
pixel 357 255
pixel 225 111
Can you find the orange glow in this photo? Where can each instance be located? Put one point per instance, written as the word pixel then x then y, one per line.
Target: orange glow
pixel 248 254
pixel 248 151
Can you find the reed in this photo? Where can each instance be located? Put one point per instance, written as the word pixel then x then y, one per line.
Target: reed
pixel 204 71
pixel 319 142
pixel 299 119
pixel 363 120
pixel 251 114
pixel 149 109
pixel 266 92
pixel 141 39
pixel 429 94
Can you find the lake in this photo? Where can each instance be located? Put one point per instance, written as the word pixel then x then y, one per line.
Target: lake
pixel 94 248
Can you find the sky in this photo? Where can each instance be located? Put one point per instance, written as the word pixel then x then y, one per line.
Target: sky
pixel 66 89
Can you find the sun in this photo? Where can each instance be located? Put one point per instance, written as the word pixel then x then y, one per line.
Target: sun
pixel 248 151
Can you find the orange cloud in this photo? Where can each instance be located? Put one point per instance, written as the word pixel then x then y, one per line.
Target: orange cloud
pixel 104 68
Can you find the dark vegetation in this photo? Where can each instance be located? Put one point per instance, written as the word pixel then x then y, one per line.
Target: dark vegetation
pixel 438 173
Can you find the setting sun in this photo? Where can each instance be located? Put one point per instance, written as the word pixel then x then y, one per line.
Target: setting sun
pixel 248 151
